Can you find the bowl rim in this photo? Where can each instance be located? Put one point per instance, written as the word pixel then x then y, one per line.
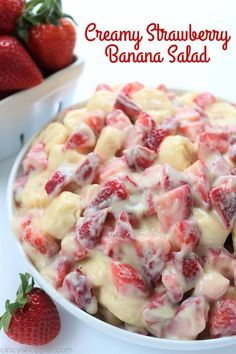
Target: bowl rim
pixel 105 327
pixel 23 94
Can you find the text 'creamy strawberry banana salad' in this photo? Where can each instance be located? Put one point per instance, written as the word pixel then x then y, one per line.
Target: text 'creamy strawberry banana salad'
pixel 127 207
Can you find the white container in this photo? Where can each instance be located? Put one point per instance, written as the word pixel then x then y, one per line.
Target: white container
pixel 25 112
pixel 122 334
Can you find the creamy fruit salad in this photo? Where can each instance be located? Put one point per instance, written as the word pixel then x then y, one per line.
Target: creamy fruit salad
pixel 127 207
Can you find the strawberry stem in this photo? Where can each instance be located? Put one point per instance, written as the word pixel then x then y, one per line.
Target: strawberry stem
pixel 22 298
pixel 36 12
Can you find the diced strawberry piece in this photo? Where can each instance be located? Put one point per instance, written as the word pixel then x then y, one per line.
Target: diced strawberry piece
pixel 232 152
pixel 162 87
pixel 63 267
pixel 151 204
pixel 224 202
pixel 222 318
pixel 95 120
pixel 112 246
pixel 104 87
pixel 192 129
pixel 135 137
pixel 153 139
pixel 127 280
pixel 216 164
pixel 127 106
pixel 197 177
pixel 131 88
pixel 189 321
pixel 174 206
pixel 36 159
pixel 138 158
pixel 204 99
pixel 173 283
pixel 87 171
pixel 41 243
pixel 171 178
pixel 88 229
pixel 59 180
pixel 118 120
pixel 187 264
pixel 113 190
pixel 216 140
pixel 152 255
pixel 84 137
pixel 186 234
pixel 134 221
pixel 151 177
pixel 78 289
pixel 188 113
pixel 170 125
pixel 72 249
pixel 112 168
pixel 145 121
pixel 26 222
pixel 156 311
pixel 223 261
pixel 123 228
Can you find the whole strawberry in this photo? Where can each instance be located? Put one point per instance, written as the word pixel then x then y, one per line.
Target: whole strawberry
pixel 10 10
pixel 33 319
pixel 47 33
pixel 17 69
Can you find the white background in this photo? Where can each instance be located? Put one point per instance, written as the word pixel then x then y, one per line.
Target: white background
pixel 218 76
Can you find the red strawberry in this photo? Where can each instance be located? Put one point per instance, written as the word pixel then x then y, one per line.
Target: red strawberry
pixel 95 120
pixel 174 206
pixel 216 140
pixel 204 99
pixel 46 42
pixel 84 137
pixel 33 319
pixel 87 171
pixel 103 87
pixel 145 121
pixel 127 106
pixel 49 36
pixel 153 139
pixel 118 120
pixel 186 234
pixel 17 69
pixel 131 88
pixel 224 201
pixel 59 180
pixel 10 10
pixel 171 178
pixel 78 289
pixel 152 255
pixel 113 189
pixel 191 266
pixel 36 159
pixel 123 228
pixel 197 177
pixel 88 229
pixel 222 318
pixel 139 158
pixel 127 280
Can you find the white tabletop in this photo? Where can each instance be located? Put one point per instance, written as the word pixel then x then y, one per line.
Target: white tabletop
pixel 218 76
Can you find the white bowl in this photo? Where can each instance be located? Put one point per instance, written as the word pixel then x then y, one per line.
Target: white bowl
pixel 147 341
pixel 25 112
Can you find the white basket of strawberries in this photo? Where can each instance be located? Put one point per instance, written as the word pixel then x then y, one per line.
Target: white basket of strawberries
pixel 38 69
